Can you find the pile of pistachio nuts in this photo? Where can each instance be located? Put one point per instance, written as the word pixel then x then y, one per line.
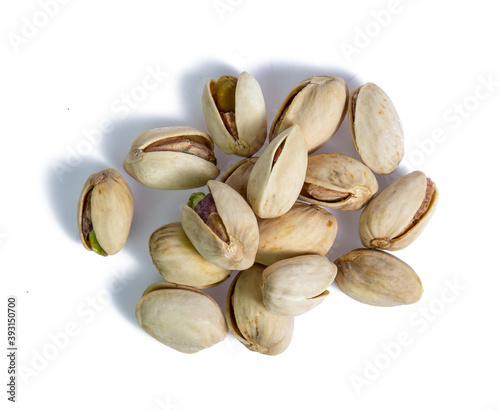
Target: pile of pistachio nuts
pixel 265 217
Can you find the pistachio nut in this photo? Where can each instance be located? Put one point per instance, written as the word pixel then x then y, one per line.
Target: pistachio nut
pixel 338 181
pixel 249 320
pixel 318 105
pixel 235 114
pixel 294 286
pixel 395 217
pixel 237 176
pixel 105 211
pixel 222 227
pixel 305 229
pixel 179 262
pixel 377 278
pixel 277 177
pixel 172 158
pixel 181 317
pixel 376 129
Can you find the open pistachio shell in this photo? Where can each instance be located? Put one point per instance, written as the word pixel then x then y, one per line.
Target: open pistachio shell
pixel 172 158
pixel 278 175
pixel 179 262
pixel 105 209
pixel 318 105
pixel 181 317
pixel 239 222
pixel 294 286
pixel 249 120
pixel 305 229
pixel 376 129
pixel 377 278
pixel 249 320
pixel 237 176
pixel 338 181
pixel 395 217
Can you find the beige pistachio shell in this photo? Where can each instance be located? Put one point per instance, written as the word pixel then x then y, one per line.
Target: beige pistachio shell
pixel 179 262
pixel 318 105
pixel 181 317
pixel 250 117
pixel 377 278
pixel 249 320
pixel 388 221
pixel 111 209
pixel 240 224
pixel 166 169
pixel 376 129
pixel 349 183
pixel 274 186
pixel 304 229
pixel 237 176
pixel 294 286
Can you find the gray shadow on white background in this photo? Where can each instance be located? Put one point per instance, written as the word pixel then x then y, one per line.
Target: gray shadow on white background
pixel 64 192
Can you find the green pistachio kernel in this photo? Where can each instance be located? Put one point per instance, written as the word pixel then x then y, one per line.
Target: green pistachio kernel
pixel 195 198
pixel 225 93
pixel 95 245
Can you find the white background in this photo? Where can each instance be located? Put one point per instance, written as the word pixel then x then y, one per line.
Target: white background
pixel 66 74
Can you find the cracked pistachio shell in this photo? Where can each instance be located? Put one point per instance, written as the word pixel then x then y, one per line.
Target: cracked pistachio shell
pixel 237 176
pixel 249 320
pixel 318 105
pixel 111 209
pixel 304 229
pixel 342 174
pixel 162 168
pixel 250 117
pixel 294 286
pixel 274 184
pixel 376 129
pixel 377 278
pixel 181 317
pixel 240 224
pixel 179 262
pixel 385 219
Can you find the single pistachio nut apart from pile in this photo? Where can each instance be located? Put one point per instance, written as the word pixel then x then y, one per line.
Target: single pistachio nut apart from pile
pixel 338 181
pixel 237 176
pixel 235 114
pixel 172 158
pixel 277 177
pixel 222 227
pixel 294 286
pixel 318 105
pixel 376 129
pixel 306 229
pixel 105 211
pixel 377 278
pixel 179 262
pixel 396 217
pixel 249 320
pixel 181 317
